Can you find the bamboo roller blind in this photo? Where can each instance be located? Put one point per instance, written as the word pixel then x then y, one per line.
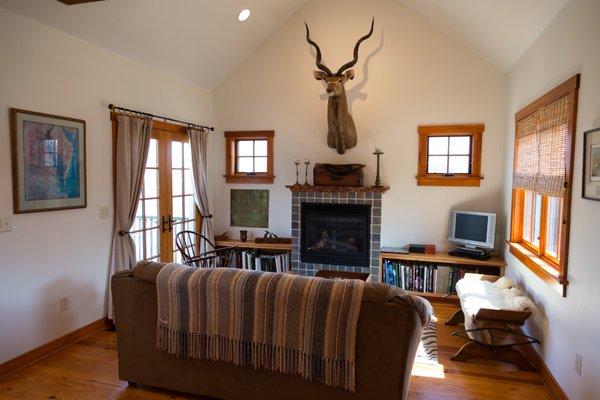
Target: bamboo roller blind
pixel 541 146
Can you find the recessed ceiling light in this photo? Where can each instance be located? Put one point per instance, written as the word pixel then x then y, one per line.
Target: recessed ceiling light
pixel 244 15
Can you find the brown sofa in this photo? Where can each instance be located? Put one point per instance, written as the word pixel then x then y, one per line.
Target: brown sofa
pixel 387 339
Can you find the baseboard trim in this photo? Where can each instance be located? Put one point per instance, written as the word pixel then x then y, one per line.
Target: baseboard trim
pixel 37 354
pixel 534 358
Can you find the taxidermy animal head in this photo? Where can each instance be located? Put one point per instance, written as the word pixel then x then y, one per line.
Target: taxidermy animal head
pixel 342 131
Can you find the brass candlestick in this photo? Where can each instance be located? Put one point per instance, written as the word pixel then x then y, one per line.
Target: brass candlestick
pixel 297 164
pixel 378 153
pixel 306 163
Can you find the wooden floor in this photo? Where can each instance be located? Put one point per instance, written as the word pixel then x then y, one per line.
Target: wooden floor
pixel 88 370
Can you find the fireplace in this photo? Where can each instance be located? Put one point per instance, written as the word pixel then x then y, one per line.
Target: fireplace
pixel 335 234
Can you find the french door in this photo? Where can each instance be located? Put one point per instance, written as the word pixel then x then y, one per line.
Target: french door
pixel 166 205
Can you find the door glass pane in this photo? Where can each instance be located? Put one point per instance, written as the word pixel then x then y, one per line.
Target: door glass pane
pixel 553 226
pixel 190 208
pixel 188 182
pixel 152 160
pixel 260 148
pixel 178 209
pixel 260 164
pixel 187 155
pixel 458 164
pixel 177 182
pixel 152 243
pixel 138 222
pixel 138 240
pixel 245 164
pixel 151 183
pixel 190 226
pixel 437 165
pixel 460 145
pixel 245 147
pixel 176 155
pixel 151 212
pixel 176 229
pixel 438 145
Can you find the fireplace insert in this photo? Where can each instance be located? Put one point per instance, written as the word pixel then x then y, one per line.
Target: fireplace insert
pixel 337 234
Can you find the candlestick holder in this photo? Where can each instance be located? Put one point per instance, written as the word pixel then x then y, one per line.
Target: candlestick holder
pixel 306 163
pixel 297 164
pixel 378 153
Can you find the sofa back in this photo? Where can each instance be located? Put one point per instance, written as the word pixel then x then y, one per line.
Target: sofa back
pixel 387 339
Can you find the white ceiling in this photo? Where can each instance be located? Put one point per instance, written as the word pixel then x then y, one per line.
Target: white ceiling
pixel 498 30
pixel 201 40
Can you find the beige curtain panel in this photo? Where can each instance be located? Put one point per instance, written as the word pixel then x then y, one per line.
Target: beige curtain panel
pixel 198 144
pixel 133 142
pixel 541 143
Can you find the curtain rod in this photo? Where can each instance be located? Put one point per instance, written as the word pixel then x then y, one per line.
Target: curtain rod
pixel 123 110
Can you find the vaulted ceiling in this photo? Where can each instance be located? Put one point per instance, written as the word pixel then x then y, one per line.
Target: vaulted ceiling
pixel 202 41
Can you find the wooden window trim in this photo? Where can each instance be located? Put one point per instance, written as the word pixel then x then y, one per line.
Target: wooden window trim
pixel 475 131
pixel 231 176
pixel 545 267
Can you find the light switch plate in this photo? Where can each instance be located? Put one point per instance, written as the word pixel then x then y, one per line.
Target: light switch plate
pixel 104 212
pixel 5 224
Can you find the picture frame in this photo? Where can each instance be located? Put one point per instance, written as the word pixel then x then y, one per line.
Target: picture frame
pixel 591 165
pixel 48 155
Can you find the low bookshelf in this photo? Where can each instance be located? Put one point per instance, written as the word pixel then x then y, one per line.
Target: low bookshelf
pixel 433 275
pixel 260 256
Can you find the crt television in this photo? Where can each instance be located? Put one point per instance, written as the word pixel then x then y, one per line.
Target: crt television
pixel 472 229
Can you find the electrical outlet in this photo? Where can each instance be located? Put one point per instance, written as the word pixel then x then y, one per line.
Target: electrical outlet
pixel 104 212
pixel 5 224
pixel 578 363
pixel 64 303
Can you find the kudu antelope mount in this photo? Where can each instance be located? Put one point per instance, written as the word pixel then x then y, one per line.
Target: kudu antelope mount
pixel 342 131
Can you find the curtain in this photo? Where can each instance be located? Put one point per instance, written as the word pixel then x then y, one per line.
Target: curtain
pixel 133 142
pixel 541 146
pixel 198 144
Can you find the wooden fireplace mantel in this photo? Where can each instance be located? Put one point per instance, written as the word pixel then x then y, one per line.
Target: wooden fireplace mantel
pixel 337 189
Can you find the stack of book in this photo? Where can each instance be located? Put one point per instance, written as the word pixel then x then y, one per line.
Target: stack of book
pixel 426 278
pixel 251 259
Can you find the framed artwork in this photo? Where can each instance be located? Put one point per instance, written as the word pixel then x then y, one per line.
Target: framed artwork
pixel 591 164
pixel 249 208
pixel 48 162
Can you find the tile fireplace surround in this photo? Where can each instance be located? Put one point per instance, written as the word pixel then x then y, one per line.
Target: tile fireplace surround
pixel 341 195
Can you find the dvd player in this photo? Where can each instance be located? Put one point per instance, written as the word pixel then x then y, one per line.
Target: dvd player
pixel 477 254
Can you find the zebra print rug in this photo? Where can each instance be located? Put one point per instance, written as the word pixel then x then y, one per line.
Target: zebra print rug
pixel 427 353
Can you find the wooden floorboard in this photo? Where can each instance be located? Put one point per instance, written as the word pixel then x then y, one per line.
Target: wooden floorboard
pixel 87 370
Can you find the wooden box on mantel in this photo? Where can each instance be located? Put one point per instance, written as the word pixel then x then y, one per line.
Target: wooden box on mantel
pixel 349 175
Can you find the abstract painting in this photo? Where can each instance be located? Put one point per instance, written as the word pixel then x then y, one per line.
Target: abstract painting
pixel 48 154
pixel 249 208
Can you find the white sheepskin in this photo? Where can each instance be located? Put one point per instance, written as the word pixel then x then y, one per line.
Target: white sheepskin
pixel 503 294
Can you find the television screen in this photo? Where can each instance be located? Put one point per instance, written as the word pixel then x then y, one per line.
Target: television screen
pixel 471 227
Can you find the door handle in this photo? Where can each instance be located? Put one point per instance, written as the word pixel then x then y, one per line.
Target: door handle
pixel 163 223
pixel 170 223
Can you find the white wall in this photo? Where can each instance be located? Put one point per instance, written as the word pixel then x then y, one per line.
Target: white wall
pixel 566 325
pixel 408 74
pixel 53 254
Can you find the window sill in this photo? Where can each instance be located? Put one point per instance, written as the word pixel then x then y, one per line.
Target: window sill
pixel 543 269
pixel 442 180
pixel 249 178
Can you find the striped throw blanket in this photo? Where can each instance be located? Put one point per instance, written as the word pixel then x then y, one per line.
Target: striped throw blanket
pixel 278 322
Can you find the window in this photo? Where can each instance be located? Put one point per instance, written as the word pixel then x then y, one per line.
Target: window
pixel 249 157
pixel 542 183
pixel 450 155
pixel 166 206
